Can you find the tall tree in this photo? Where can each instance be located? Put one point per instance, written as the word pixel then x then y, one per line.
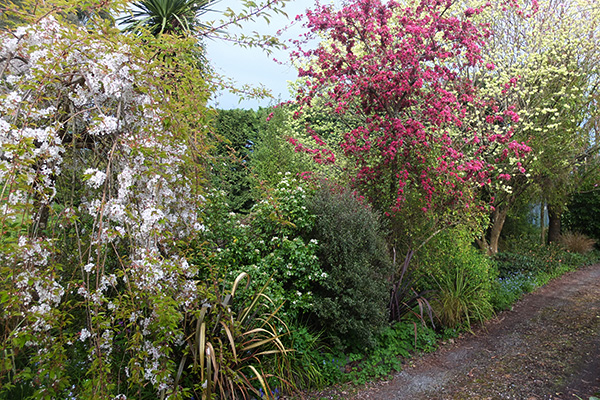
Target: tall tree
pixel 546 68
pixel 396 72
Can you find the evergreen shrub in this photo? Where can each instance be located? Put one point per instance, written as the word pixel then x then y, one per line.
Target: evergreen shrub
pixel 351 303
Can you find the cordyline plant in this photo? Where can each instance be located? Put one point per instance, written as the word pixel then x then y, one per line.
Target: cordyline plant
pixel 103 154
pixel 397 73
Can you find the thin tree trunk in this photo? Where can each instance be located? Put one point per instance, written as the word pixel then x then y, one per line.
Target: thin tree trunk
pixel 554 214
pixel 542 223
pixel 498 218
pixel 483 244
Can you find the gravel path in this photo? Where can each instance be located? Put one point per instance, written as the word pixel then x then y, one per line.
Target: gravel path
pixel 547 347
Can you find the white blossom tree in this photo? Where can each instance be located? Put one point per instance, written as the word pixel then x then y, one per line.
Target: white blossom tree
pixel 545 66
pixel 104 147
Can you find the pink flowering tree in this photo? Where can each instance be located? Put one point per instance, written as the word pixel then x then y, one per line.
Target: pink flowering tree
pixel 400 76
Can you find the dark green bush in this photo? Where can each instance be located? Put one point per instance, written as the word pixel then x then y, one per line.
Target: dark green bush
pixel 583 214
pixel 350 305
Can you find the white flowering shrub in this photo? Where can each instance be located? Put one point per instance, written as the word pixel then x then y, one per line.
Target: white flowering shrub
pixel 103 148
pixel 272 243
pixel 321 249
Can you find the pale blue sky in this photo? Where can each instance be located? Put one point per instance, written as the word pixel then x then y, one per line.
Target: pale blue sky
pixel 254 66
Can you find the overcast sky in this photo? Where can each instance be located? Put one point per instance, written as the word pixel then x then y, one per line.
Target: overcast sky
pixel 254 66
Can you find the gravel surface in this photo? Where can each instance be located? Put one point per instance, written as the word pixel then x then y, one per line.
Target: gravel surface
pixel 547 347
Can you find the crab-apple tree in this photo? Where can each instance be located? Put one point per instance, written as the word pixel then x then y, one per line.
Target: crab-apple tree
pixel 398 74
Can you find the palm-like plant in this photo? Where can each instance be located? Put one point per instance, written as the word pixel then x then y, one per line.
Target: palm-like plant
pixel 176 17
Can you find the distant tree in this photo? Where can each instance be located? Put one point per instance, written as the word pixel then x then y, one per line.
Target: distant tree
pixel 237 131
pixel 273 155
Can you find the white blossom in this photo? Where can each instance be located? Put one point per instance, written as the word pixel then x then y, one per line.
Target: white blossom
pixel 84 334
pixel 96 177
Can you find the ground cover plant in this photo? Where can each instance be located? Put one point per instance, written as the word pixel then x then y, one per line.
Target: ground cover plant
pixel 530 267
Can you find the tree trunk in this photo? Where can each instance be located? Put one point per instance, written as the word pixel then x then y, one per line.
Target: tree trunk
pixel 542 223
pixel 554 214
pixel 483 244
pixel 498 218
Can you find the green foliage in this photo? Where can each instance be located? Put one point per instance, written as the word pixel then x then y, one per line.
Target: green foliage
pixel 231 349
pixel 269 242
pixel 237 131
pixel 583 214
pixel 351 306
pixel 532 267
pixel 393 345
pixel 273 155
pixel 462 300
pixel 508 290
pixel 509 263
pixel 519 226
pixel 461 278
pixel 338 281
pixel 12 18
pixel 536 259
pixel 305 367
